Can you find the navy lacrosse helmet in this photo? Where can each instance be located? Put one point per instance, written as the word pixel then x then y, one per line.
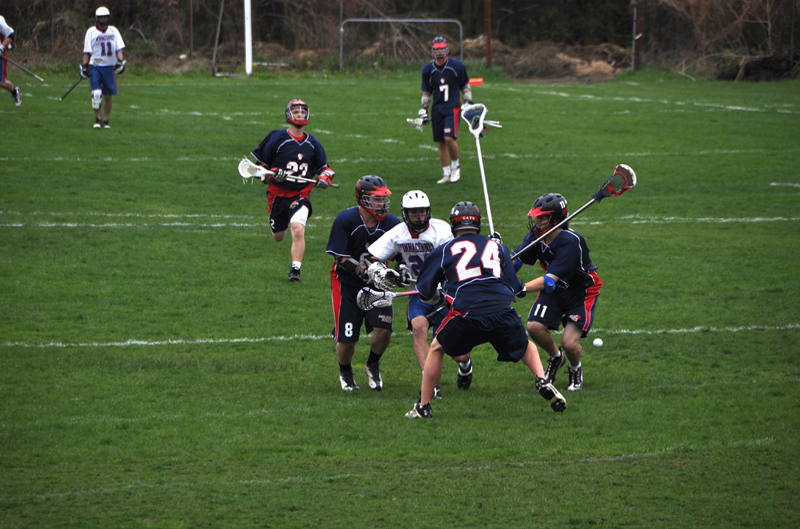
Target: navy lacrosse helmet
pixel 373 195
pixel 465 216
pixel 439 48
pixel 551 204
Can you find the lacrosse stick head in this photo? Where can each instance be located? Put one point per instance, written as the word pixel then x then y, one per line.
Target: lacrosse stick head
pixel 368 299
pixel 623 179
pixel 248 169
pixel 415 123
pixel 474 116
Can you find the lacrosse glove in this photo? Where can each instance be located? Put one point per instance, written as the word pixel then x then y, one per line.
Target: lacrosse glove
pixel 383 278
pixel 406 275
pixel 2 49
pixel 279 175
pixel 423 113
pixel 496 238
pixel 120 67
pixel 85 71
pixel 324 180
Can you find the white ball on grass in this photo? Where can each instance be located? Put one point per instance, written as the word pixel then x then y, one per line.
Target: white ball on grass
pixel 183 56
pixel 597 342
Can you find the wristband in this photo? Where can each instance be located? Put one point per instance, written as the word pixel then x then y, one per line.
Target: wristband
pixel 549 284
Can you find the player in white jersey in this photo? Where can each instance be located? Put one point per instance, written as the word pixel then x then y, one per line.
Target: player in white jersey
pixel 6 36
pixel 103 58
pixel 409 243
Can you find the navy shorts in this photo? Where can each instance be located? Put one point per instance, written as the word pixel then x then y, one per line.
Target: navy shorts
pixel 103 78
pixel 445 125
pixel 281 210
pixel 459 334
pixel 348 317
pixel 564 306
pixel 417 308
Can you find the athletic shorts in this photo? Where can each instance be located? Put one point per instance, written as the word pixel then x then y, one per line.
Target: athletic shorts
pixel 348 317
pixel 564 306
pixel 417 308
pixel 459 334
pixel 103 78
pixel 3 68
pixel 281 210
pixel 445 124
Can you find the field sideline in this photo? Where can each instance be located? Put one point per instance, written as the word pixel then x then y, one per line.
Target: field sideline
pixel 158 370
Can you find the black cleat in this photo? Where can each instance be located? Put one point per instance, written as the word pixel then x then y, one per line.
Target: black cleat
pixel 553 365
pixel 575 379
pixel 294 275
pixel 464 379
pixel 551 395
pixel 420 412
pixel 374 375
pixel 347 381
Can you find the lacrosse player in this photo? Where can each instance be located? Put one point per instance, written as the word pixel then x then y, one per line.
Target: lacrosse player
pixel 352 233
pixel 444 79
pixel 6 36
pixel 288 153
pixel 412 241
pixel 478 280
pixel 567 292
pixel 102 60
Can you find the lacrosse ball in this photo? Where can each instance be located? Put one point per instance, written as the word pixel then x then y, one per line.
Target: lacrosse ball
pixel 183 56
pixel 597 342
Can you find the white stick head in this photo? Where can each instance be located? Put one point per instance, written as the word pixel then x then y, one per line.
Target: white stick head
pixel 474 116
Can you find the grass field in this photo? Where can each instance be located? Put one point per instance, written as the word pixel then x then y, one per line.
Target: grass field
pixel 158 370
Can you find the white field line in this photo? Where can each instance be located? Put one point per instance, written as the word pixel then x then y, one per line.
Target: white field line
pixel 777 184
pixel 317 477
pixel 213 341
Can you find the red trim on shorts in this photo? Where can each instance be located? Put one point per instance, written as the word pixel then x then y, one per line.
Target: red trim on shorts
pixel 457 114
pixel 276 190
pixel 336 298
pixel 591 300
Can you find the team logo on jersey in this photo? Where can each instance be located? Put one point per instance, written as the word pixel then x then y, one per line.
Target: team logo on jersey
pixel 444 81
pixel 575 317
pixel 299 155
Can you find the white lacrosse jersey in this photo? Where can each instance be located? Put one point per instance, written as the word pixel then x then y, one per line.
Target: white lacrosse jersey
pixel 5 29
pixel 412 248
pixel 103 45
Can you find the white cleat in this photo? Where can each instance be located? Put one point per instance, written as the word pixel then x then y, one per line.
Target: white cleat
pixel 455 174
pixel 444 180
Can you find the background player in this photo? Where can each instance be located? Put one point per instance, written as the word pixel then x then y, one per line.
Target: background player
pixel 289 153
pixel 352 233
pixel 443 79
pixel 6 37
pixel 102 59
pixel 567 292
pixel 478 280
pixel 412 241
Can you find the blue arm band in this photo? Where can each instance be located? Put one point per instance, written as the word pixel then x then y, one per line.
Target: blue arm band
pixel 517 264
pixel 549 284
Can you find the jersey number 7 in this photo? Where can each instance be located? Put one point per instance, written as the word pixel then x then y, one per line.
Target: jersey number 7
pixel 490 259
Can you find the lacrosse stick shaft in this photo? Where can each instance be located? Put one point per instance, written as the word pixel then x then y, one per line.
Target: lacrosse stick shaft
pixel 529 246
pixel 485 189
pixel 71 89
pixel 24 69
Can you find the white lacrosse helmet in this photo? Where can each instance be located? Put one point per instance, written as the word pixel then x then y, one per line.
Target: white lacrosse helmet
pixel 416 200
pixel 102 12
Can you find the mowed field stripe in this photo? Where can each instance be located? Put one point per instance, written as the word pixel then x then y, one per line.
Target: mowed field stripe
pixel 216 341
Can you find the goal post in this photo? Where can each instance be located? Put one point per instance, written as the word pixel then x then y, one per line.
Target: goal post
pixel 400 20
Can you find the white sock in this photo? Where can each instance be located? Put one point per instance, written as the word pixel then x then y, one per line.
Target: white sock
pixel 446 170
pixel 454 164
pixel 575 368
pixel 465 366
pixel 296 264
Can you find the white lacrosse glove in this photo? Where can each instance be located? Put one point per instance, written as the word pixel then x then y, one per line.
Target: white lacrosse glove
pixel 120 67
pixel 84 71
pixel 406 275
pixel 496 238
pixel 2 49
pixel 423 113
pixel 383 278
pixel 279 175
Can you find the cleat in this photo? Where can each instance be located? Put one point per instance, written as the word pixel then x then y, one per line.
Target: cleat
pixel 347 381
pixel 444 179
pixel 97 123
pixel 294 275
pixel 551 394
pixel 374 376
pixel 455 174
pixel 437 392
pixel 420 412
pixel 464 379
pixel 575 379
pixel 105 124
pixel 553 365
pixel 17 96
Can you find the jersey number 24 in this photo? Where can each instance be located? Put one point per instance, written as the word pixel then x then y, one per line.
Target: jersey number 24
pixel 490 259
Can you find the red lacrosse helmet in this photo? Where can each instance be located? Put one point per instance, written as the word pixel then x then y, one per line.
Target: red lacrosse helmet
pixel 294 104
pixel 373 195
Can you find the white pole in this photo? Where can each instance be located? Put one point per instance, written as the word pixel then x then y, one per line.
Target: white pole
pixel 248 39
pixel 483 179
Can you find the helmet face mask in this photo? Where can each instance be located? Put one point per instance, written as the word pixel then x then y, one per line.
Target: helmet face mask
pixel 297 113
pixel 416 208
pixel 373 195
pixel 439 49
pixel 551 205
pixel 465 216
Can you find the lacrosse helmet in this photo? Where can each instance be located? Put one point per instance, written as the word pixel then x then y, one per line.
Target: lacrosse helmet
pixel 551 204
pixel 293 104
pixel 439 49
pixel 102 12
pixel 416 200
pixel 373 195
pixel 465 216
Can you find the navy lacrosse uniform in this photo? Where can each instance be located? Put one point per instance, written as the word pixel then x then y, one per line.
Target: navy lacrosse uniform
pixel 578 285
pixel 445 84
pixel 479 281
pixel 299 156
pixel 350 237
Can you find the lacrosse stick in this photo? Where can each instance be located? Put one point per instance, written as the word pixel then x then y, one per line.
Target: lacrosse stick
pixel 415 123
pixel 368 299
pixel 71 89
pixel 248 169
pixel 623 179
pixel 24 69
pixel 474 116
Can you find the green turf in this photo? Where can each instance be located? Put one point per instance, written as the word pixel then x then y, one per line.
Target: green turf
pixel 158 370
